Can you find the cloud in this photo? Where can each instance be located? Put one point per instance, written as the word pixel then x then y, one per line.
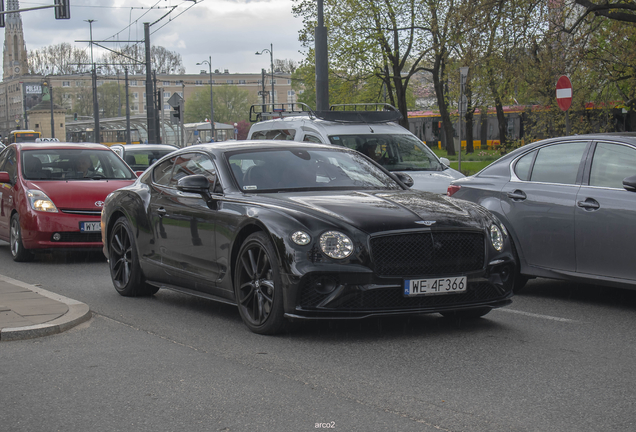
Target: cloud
pixel 228 31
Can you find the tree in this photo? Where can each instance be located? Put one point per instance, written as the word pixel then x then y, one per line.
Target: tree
pixel 618 10
pixel 371 46
pixel 64 59
pixel 231 105
pixel 61 59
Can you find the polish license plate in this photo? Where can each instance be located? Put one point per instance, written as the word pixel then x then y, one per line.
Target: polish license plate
pixel 90 226
pixel 418 287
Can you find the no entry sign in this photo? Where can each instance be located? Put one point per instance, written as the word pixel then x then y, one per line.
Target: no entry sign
pixel 564 93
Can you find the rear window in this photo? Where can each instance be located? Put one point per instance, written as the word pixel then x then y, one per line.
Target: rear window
pixel 275 134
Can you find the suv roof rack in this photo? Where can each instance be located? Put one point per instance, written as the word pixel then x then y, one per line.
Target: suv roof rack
pixel 261 112
pixel 361 113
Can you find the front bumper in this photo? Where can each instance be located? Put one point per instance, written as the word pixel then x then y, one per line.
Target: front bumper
pixel 38 230
pixel 322 295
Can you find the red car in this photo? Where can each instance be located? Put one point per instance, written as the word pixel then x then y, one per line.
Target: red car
pixel 51 195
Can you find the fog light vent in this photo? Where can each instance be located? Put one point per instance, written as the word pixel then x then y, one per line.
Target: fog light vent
pixel 324 285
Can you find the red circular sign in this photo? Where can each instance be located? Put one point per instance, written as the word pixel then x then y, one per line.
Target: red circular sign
pixel 564 93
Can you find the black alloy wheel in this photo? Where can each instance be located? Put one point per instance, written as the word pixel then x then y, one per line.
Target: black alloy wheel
pixel 18 251
pixel 125 270
pixel 257 286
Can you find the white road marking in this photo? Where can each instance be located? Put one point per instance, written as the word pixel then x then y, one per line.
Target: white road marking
pixel 534 315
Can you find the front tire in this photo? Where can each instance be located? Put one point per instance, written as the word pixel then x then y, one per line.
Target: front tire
pixel 18 251
pixel 123 261
pixel 258 285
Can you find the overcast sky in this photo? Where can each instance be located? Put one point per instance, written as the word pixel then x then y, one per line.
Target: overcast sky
pixel 230 31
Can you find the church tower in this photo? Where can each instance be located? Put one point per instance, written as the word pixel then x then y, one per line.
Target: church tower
pixel 15 53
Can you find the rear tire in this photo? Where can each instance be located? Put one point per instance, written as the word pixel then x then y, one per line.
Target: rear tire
pixel 18 251
pixel 123 261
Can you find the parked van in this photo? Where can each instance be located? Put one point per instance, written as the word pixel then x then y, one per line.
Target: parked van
pixel 368 128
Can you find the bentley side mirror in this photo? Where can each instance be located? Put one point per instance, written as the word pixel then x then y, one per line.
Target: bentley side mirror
pixel 196 183
pixel 629 183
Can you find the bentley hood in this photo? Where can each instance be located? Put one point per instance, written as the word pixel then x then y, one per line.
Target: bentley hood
pixel 390 210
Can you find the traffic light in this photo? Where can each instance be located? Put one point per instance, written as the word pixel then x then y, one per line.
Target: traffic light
pixel 2 15
pixel 62 9
pixel 176 114
pixel 74 116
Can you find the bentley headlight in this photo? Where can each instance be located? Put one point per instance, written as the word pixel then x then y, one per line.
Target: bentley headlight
pixel 301 238
pixel 40 202
pixel 496 237
pixel 336 245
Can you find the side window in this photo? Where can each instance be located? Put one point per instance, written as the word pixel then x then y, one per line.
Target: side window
pixel 523 165
pixel 8 164
pixel 312 139
pixel 191 164
pixel 275 134
pixel 558 163
pixel 611 164
pixel 259 135
pixel 163 172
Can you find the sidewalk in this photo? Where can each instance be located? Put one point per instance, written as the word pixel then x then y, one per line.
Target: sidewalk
pixel 28 311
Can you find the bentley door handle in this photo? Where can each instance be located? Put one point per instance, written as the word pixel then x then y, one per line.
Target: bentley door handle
pixel 589 204
pixel 517 195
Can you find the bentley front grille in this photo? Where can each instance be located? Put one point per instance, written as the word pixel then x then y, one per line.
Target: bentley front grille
pixel 429 253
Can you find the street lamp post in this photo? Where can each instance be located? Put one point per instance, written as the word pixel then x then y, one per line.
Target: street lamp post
pixel 209 62
pixel 271 57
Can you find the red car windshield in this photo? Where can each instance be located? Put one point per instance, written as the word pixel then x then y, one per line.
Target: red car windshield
pixel 73 164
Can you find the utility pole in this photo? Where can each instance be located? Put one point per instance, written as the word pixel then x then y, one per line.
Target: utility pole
pixel 182 110
pixel 150 105
pixel 94 80
pixel 322 62
pixel 128 140
pixel 263 85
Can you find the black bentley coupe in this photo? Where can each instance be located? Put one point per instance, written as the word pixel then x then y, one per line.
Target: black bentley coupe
pixel 302 231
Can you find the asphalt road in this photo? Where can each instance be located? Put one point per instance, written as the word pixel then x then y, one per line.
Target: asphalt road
pixel 560 358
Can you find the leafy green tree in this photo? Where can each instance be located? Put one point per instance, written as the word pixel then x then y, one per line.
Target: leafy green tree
pixel 371 46
pixel 231 105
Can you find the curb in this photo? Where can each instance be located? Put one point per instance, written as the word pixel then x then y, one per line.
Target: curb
pixel 78 313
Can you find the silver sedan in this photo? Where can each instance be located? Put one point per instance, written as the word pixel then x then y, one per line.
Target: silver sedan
pixel 569 204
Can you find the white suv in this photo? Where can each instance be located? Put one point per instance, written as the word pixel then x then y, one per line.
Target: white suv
pixel 372 132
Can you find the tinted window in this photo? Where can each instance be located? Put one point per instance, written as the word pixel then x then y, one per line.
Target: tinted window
pixel 611 164
pixel 558 163
pixel 313 139
pixel 307 169
pixel 163 172
pixel 396 152
pixel 191 164
pixel 275 134
pixel 523 165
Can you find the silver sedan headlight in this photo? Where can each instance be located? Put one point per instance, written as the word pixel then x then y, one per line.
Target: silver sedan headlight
pixel 336 245
pixel 496 237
